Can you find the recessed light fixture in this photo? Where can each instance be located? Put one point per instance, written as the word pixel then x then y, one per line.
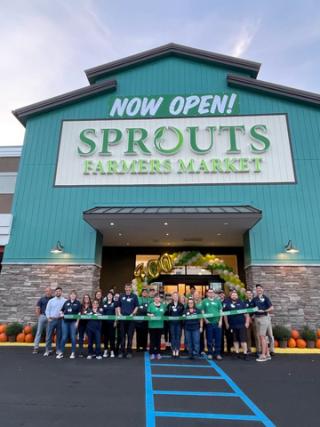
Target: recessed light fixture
pixel 120 234
pixel 165 223
pixel 167 234
pixel 225 223
pixel 128 244
pixel 112 224
pixel 219 234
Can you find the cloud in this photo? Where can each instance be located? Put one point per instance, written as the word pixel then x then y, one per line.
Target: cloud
pixel 245 39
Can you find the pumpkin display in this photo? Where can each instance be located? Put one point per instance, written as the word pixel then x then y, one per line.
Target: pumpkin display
pixel 301 343
pixel 27 329
pixel 318 333
pixel 295 334
pixel 3 329
pixel 29 338
pixel 20 337
pixel 3 337
pixel 318 343
pixel 276 343
pixel 292 343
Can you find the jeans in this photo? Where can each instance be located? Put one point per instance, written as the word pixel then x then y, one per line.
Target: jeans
pixel 193 340
pixel 82 329
pixel 94 337
pixel 42 324
pixel 53 325
pixel 213 333
pixel 69 329
pixel 175 335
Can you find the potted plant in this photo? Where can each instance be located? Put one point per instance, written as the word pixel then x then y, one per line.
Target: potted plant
pixel 13 329
pixel 309 335
pixel 281 334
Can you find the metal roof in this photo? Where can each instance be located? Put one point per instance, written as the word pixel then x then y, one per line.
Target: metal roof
pixel 104 210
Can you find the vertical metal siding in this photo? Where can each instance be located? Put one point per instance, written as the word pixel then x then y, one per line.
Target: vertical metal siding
pixel 43 214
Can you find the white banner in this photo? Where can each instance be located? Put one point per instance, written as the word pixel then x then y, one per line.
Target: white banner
pixel 193 150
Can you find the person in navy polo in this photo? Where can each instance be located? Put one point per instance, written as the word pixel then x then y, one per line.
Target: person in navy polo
pixel 69 326
pixel 108 326
pixel 142 325
pixel 237 323
pixel 42 318
pixel 128 306
pixel 94 331
pixel 262 321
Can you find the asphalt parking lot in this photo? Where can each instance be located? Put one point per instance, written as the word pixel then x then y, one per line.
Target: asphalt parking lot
pixel 37 391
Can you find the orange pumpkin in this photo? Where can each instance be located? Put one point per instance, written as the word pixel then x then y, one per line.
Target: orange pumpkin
pixel 3 337
pixel 318 333
pixel 295 334
pixel 318 343
pixel 3 329
pixel 292 343
pixel 29 338
pixel 20 337
pixel 301 343
pixel 27 329
pixel 276 343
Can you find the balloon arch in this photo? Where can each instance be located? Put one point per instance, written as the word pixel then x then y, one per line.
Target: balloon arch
pixel 167 262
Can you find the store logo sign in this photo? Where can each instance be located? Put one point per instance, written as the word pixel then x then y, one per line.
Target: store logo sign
pixel 173 151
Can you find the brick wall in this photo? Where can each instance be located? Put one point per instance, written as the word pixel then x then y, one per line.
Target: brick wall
pixel 21 285
pixel 294 292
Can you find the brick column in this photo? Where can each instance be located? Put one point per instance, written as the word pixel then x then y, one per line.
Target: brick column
pixel 293 290
pixel 21 285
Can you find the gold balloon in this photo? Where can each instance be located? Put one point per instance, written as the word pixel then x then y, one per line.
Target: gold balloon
pixel 165 263
pixel 139 270
pixel 153 270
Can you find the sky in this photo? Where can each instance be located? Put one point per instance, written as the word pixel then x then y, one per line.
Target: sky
pixel 46 45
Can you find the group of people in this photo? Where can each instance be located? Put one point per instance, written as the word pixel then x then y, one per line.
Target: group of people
pixel 191 318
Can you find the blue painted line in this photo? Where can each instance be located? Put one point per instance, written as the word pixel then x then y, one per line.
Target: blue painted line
pixel 259 414
pixel 194 393
pixel 200 415
pixel 150 413
pixel 181 366
pixel 194 377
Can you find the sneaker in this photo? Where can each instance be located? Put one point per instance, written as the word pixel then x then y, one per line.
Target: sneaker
pixel 268 357
pixel 218 357
pixel 158 356
pixel 105 353
pixel 59 356
pixel 210 356
pixel 47 353
pixel 261 359
pixel 152 357
pixel 120 356
pixel 129 356
pixel 35 351
pixel 72 356
pixel 81 355
pixel 99 357
pixel 112 355
pixel 89 357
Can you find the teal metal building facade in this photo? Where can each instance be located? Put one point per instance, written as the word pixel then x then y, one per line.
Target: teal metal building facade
pixel 44 213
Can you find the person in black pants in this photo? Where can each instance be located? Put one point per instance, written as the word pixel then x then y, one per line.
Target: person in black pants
pixel 142 325
pixel 128 306
pixel 94 332
pixel 225 332
pixel 108 326
pixel 175 309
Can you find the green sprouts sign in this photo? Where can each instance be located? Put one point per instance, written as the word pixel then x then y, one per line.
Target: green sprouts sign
pixel 173 105
pixel 175 151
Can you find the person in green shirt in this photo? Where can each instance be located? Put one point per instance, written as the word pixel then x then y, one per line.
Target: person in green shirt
pixel 212 305
pixel 156 308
